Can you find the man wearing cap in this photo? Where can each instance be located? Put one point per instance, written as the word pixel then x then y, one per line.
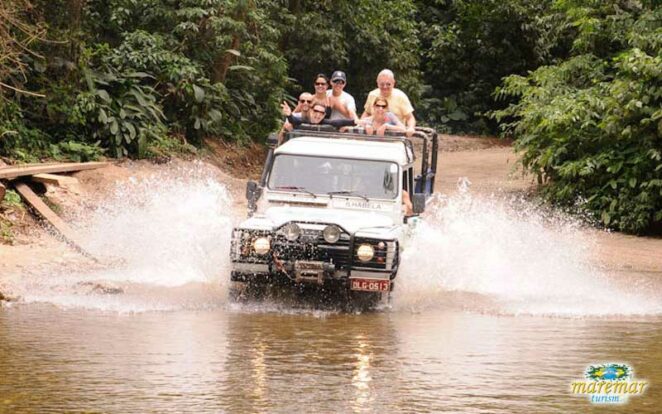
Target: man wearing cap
pixel 342 104
pixel 398 101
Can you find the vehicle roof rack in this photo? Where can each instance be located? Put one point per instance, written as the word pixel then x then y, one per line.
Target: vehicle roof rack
pixel 409 148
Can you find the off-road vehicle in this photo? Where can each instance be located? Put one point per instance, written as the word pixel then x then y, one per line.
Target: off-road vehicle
pixel 328 211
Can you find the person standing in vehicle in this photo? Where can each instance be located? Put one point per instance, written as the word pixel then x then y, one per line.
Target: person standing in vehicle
pixel 302 110
pixel 317 116
pixel 398 101
pixel 321 85
pixel 344 105
pixel 381 120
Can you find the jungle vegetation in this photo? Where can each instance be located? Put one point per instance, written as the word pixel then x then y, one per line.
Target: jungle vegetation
pixel 576 83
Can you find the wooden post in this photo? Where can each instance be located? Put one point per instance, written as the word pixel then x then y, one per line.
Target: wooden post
pixel 14 171
pixel 59 180
pixel 53 219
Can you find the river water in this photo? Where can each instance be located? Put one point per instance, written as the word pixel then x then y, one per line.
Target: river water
pixel 498 309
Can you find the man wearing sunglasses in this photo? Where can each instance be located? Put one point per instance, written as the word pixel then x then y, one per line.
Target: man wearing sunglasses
pixel 398 101
pixel 301 113
pixel 343 104
pixel 302 110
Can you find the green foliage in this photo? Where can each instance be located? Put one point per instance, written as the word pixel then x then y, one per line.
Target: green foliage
pixel 360 37
pixel 166 147
pixel 6 234
pixel 120 111
pixel 591 126
pixel 75 151
pixel 468 46
pixel 146 77
pixel 17 140
pixel 12 200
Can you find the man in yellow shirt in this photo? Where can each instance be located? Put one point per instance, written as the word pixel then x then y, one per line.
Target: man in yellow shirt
pixel 398 101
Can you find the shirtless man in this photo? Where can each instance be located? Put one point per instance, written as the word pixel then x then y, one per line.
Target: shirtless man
pixel 398 101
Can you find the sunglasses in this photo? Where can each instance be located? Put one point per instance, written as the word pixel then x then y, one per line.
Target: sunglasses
pixel 338 81
pixel 305 101
pixel 381 106
pixel 320 83
pixel 319 112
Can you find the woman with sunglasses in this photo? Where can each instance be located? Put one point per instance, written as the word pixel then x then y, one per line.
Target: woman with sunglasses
pixel 321 85
pixel 382 120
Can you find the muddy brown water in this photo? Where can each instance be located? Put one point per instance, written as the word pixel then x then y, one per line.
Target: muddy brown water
pixel 250 358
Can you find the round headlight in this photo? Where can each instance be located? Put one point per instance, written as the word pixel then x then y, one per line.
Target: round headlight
pixel 365 252
pixel 291 231
pixel 261 245
pixel 331 234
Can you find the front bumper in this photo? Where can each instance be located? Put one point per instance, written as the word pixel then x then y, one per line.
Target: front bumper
pixel 310 259
pixel 304 272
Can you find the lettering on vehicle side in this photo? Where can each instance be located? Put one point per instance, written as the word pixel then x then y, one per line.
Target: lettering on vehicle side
pixel 366 205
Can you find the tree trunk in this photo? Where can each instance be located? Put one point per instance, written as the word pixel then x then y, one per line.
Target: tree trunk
pixel 75 10
pixel 224 59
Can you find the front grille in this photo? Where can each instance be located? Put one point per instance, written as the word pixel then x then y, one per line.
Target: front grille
pixel 312 246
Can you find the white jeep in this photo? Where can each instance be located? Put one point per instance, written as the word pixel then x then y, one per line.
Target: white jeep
pixel 328 211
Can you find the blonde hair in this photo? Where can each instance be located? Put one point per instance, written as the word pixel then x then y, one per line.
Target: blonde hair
pixel 380 99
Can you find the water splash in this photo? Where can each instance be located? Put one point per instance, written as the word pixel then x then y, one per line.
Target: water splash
pixel 163 242
pixel 506 256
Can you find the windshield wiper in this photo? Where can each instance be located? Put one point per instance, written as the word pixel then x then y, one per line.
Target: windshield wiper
pixel 295 188
pixel 348 192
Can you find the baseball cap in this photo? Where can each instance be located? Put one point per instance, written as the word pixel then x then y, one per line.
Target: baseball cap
pixel 339 74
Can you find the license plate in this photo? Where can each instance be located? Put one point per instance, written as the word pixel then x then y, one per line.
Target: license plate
pixel 370 285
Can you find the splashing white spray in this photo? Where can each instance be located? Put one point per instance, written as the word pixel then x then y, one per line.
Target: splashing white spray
pixel 156 237
pixel 169 229
pixel 488 254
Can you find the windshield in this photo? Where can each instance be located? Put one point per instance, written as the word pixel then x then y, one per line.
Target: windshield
pixel 334 176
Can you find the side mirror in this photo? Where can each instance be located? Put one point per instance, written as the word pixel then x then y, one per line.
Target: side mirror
pixel 418 202
pixel 272 140
pixel 253 193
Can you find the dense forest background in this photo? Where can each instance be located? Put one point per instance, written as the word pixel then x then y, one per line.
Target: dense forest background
pixel 576 83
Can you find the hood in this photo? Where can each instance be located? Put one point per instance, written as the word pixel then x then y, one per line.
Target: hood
pixel 348 219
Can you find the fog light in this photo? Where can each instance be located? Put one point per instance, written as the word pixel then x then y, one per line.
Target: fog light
pixel 261 245
pixel 331 234
pixel 291 231
pixel 365 252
